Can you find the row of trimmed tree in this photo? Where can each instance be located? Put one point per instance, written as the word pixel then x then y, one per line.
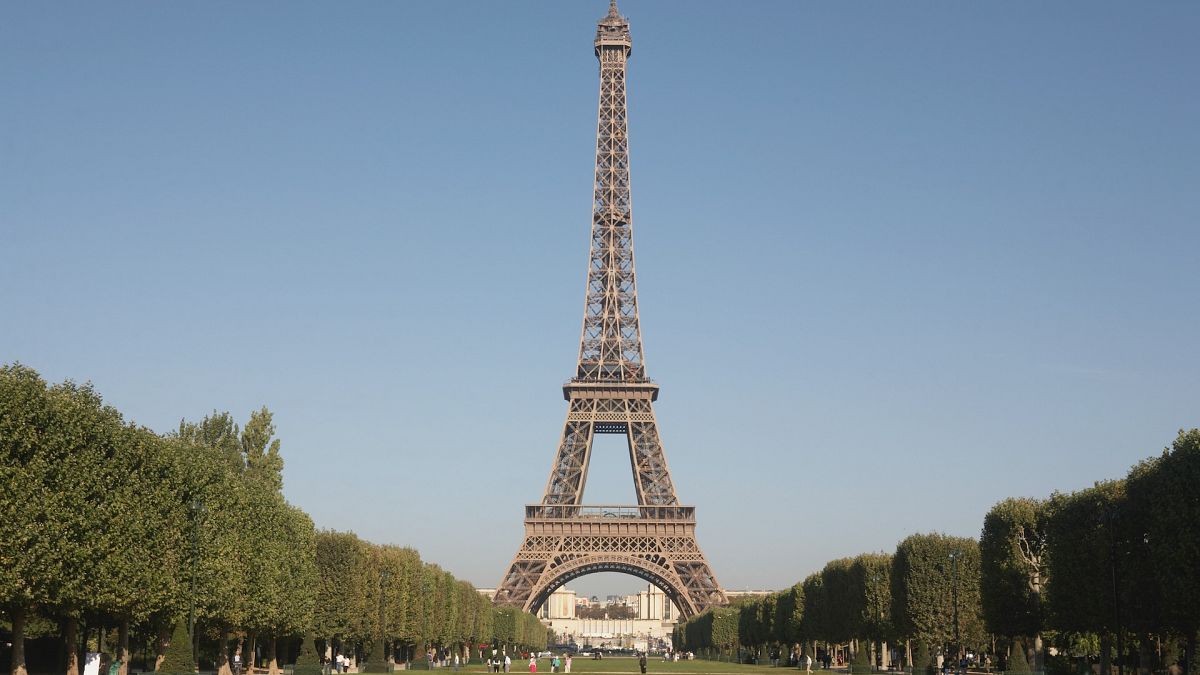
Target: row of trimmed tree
pixel 370 594
pixel 116 538
pixel 1113 566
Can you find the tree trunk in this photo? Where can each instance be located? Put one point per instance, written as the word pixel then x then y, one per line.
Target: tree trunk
pixel 1105 656
pixel 18 641
pixel 160 644
pixel 908 654
pixel 272 656
pixel 122 655
pixel 248 656
pixel 1189 654
pixel 1039 653
pixel 71 645
pixel 223 654
pixel 885 656
pixel 1145 658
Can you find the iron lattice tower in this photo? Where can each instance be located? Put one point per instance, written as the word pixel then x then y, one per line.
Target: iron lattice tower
pixel 610 394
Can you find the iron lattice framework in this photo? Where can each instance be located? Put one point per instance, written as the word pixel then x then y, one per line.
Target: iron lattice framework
pixel 610 394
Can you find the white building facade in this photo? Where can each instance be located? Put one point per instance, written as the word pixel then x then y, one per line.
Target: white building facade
pixel 651 630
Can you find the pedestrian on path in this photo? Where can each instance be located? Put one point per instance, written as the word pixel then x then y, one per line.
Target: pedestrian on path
pixel 532 664
pixel 642 662
pixel 567 664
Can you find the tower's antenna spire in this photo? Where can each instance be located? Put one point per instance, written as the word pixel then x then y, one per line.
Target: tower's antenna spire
pixel 612 8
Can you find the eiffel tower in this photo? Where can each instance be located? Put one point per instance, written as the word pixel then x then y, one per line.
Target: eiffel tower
pixel 610 394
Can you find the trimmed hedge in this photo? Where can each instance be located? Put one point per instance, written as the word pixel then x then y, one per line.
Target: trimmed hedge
pixel 178 658
pixel 307 662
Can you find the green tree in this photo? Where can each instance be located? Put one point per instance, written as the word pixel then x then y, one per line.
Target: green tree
pixel 260 450
pixel 925 583
pixel 870 575
pixel 699 631
pixel 814 624
pixel 724 629
pixel 1086 534
pixel 1164 494
pixel 1013 569
pixel 844 601
pixel 403 568
pixel 178 658
pixel 922 659
pixel 341 602
pixel 1017 661
pixel 375 661
pixel 223 571
pixel 789 615
pixel 750 633
pixel 307 661
pixel 50 437
pixel 144 540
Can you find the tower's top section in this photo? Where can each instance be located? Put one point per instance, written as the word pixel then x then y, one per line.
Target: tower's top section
pixel 611 349
pixel 613 30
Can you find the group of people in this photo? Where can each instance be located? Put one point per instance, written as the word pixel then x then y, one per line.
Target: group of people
pixel 497 663
pixel 805 661
pixel 341 663
pixel 442 658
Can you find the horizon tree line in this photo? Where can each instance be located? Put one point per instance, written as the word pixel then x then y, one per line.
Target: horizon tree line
pixel 123 540
pixel 1111 571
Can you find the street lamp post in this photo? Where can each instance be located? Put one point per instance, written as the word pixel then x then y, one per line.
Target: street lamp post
pixel 954 591
pixel 383 577
pixel 878 630
pixel 1110 514
pixel 197 509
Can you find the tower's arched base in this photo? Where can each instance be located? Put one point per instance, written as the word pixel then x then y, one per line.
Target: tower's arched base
pixel 657 544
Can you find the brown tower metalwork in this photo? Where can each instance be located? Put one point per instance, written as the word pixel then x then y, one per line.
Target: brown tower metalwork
pixel 610 394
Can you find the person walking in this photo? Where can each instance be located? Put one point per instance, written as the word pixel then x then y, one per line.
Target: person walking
pixel 532 664
pixel 642 662
pixel 507 662
pixel 567 664
pixel 554 664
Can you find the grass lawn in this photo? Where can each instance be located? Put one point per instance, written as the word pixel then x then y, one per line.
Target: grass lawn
pixel 618 665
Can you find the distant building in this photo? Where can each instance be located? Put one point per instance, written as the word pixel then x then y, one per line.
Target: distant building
pixel 733 595
pixel 655 617
pixel 652 603
pixel 560 605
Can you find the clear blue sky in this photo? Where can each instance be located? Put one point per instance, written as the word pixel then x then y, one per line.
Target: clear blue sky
pixel 897 261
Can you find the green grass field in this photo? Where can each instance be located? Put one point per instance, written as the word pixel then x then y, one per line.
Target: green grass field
pixel 622 665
